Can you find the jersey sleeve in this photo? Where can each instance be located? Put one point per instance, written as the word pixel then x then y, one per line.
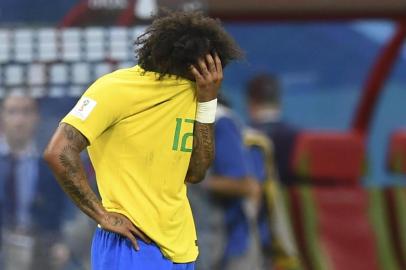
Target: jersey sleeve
pixel 231 155
pixel 98 109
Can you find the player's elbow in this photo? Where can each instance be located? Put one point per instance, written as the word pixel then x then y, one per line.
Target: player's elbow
pixel 196 178
pixel 53 151
pixel 50 154
pixel 198 168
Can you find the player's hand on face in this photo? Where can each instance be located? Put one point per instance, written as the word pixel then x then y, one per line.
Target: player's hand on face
pixel 208 74
pixel 120 224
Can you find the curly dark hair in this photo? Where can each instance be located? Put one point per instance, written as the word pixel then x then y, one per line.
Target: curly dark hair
pixel 175 40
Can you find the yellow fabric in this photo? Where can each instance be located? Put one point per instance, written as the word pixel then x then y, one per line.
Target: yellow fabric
pixel 140 133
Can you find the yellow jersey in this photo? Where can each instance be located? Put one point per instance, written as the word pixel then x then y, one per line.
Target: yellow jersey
pixel 140 131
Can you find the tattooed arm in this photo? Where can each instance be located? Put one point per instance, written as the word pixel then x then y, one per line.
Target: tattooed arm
pixel 202 154
pixel 208 75
pixel 63 156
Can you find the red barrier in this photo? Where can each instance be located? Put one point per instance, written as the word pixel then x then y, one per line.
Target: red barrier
pixel 329 158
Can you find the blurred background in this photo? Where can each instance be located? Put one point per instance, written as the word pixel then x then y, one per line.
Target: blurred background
pixel 318 103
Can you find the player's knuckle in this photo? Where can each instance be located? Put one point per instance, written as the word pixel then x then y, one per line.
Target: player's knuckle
pixel 203 83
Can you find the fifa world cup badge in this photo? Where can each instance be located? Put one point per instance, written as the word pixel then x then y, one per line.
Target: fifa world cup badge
pixel 83 108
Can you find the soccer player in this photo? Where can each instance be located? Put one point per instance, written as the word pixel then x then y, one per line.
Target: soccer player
pixel 139 125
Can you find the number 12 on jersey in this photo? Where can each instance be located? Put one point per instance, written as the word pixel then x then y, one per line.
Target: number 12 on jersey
pixel 185 137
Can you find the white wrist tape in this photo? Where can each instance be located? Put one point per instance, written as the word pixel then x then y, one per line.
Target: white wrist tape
pixel 206 111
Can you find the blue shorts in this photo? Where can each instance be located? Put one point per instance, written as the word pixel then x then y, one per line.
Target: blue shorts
pixel 111 251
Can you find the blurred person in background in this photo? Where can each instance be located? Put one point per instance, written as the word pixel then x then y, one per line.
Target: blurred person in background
pixel 264 108
pixel 227 239
pixel 31 227
pixel 273 225
pixel 271 141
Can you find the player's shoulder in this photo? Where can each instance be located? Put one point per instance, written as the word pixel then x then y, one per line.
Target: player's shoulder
pixel 112 81
pixel 255 137
pixel 118 74
pixel 226 117
pixel 223 112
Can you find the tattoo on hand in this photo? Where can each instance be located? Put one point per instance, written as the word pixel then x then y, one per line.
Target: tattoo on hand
pixel 116 221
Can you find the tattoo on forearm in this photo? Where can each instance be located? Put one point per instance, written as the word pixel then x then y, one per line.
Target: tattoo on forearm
pixel 70 161
pixel 203 152
pixel 71 174
pixel 206 141
pixel 70 164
